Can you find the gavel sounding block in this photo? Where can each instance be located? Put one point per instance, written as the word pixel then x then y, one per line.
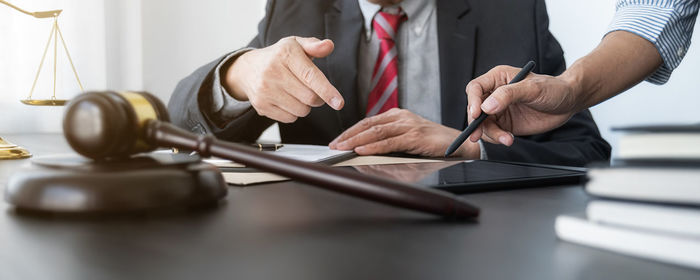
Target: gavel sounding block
pixel 72 184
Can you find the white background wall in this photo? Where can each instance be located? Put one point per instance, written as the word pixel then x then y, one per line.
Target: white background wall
pixel 22 41
pixel 579 26
pixel 152 44
pixel 115 44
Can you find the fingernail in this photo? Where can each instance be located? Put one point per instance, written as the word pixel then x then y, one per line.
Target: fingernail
pixel 503 139
pixel 335 103
pixel 489 105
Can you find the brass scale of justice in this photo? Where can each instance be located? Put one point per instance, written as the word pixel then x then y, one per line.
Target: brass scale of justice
pixel 12 151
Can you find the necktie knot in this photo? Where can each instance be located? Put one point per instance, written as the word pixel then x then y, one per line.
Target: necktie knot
pixel 386 24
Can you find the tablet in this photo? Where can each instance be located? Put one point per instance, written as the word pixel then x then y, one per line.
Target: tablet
pixel 478 175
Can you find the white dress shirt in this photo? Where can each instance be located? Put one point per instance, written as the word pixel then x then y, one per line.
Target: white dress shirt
pixel 668 24
pixel 419 64
pixel 419 60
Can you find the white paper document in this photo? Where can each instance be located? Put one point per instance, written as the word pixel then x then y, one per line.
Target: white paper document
pixel 308 153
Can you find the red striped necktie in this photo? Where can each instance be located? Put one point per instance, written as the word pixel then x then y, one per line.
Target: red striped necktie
pixel 384 84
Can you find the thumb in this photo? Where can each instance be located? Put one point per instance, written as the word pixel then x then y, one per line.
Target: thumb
pixel 315 47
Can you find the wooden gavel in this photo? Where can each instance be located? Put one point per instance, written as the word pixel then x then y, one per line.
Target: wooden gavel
pixel 103 125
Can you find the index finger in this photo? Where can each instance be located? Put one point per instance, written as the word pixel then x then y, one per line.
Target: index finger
pixel 478 89
pixel 305 70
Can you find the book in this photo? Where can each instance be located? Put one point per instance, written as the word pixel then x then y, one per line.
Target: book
pixel 649 244
pixel 646 216
pixel 658 173
pixel 666 142
pixel 657 163
pixel 666 233
pixel 666 184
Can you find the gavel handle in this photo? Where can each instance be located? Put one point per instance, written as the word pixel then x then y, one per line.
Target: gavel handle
pixel 344 181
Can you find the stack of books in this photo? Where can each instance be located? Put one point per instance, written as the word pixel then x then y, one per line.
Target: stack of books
pixel 647 204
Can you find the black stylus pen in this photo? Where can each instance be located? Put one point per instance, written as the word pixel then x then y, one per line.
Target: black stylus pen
pixel 267 147
pixel 472 126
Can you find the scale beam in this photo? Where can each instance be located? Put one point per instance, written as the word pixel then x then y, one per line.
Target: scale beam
pixel 12 151
pixel 54 36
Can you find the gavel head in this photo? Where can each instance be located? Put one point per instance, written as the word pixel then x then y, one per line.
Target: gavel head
pixel 102 125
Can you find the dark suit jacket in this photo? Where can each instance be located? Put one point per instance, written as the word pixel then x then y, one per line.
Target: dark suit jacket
pixel 474 36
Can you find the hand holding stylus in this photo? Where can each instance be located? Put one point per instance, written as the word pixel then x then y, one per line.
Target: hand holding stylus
pixel 482 116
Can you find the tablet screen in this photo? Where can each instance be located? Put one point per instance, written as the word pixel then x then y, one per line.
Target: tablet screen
pixel 477 175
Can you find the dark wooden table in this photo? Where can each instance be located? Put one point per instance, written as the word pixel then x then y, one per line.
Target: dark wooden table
pixel 294 231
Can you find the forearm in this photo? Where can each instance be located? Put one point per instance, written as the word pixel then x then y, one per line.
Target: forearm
pixel 620 61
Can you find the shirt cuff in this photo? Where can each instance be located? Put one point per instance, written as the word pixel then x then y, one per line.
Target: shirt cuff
pixel 482 153
pixel 668 26
pixel 223 105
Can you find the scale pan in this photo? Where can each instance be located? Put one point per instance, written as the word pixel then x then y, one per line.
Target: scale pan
pixel 44 102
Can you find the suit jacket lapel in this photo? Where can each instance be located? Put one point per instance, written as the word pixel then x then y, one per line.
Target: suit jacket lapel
pixel 457 39
pixel 344 26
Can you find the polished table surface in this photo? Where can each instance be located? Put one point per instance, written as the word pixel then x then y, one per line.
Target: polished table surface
pixel 294 231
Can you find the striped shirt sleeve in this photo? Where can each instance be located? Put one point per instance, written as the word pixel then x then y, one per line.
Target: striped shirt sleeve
pixel 668 24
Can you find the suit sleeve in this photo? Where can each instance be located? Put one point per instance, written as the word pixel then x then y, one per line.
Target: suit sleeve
pixel 191 106
pixel 576 143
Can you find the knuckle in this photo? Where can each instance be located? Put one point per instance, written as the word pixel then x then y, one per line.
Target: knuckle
pixel 412 135
pixel 308 74
pixel 264 106
pixel 261 89
pixel 309 98
pixel 305 111
pixel 261 111
pixel 269 71
pixel 255 102
pixel 420 130
pixel 470 87
pixel 501 68
pixel 391 142
pixel 287 40
pixel 530 83
pixel 536 84
pixel 285 48
pixel 288 119
pixel 474 89
pixel 379 131
pixel 365 123
pixel 285 53
pixel 394 112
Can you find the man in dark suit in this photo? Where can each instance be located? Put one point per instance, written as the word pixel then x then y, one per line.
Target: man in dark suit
pixel 418 55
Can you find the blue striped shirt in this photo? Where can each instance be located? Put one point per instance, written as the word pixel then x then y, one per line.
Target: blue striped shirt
pixel 668 24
